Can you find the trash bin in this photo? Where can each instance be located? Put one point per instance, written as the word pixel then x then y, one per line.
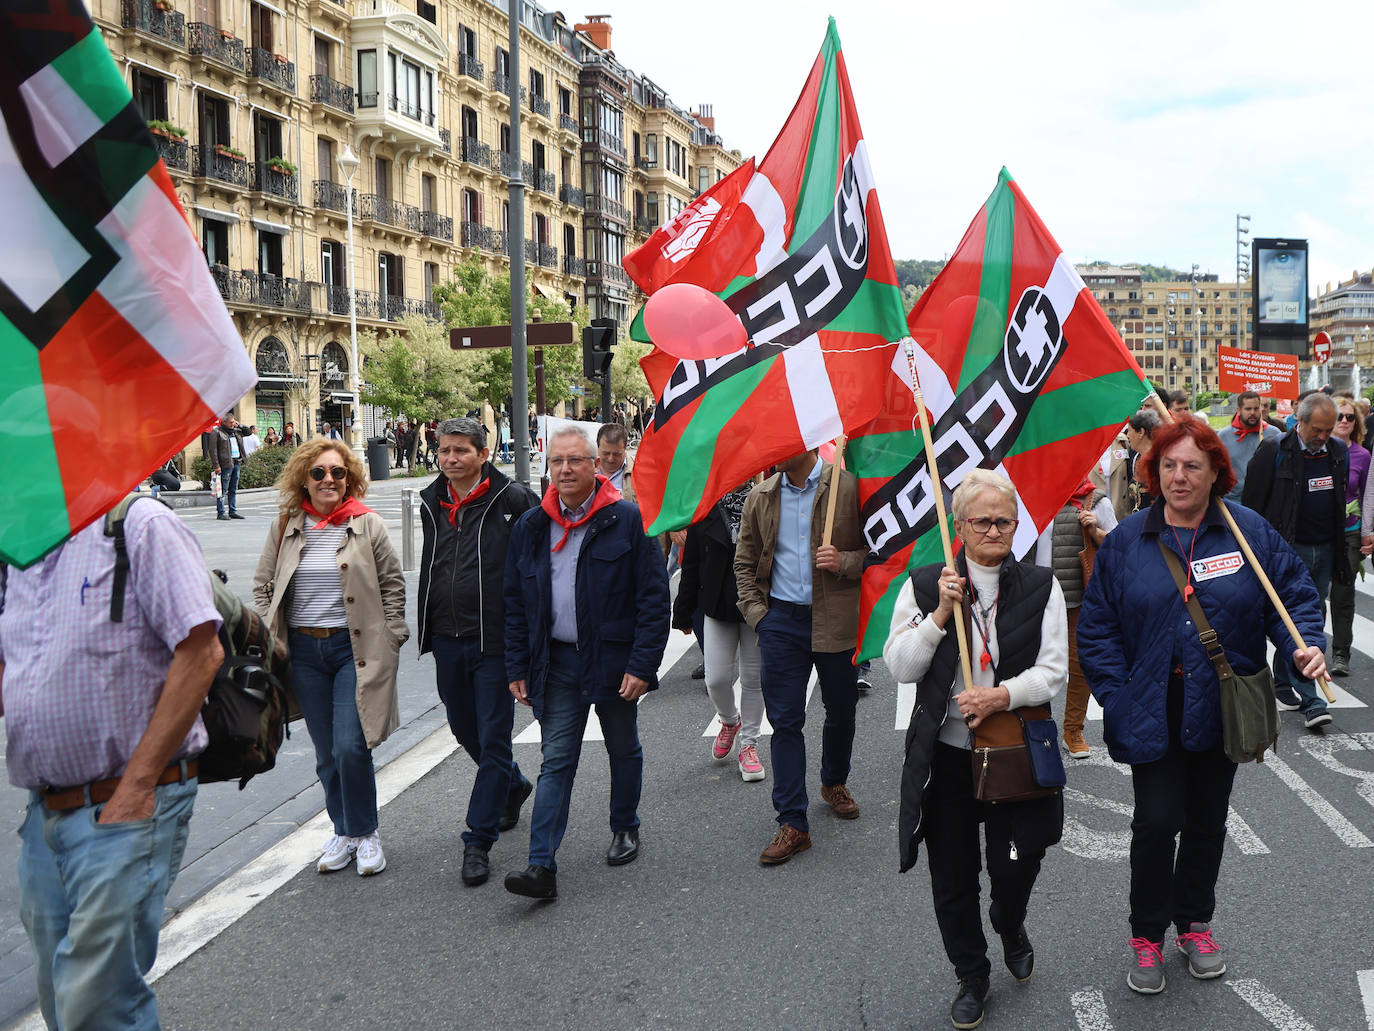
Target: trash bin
pixel 378 459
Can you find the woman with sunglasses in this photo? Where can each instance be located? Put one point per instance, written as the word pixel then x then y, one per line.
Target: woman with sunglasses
pixel 1350 431
pixel 330 584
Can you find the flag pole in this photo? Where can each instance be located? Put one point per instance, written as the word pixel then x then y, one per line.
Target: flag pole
pixel 834 489
pixel 938 493
pixel 1322 682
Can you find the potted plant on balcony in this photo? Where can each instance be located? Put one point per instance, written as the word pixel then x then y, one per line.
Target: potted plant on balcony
pixel 227 35
pixel 164 6
pixel 280 164
pixel 166 129
pixel 225 151
pixel 280 59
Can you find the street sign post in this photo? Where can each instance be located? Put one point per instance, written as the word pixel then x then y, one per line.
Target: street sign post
pixel 538 335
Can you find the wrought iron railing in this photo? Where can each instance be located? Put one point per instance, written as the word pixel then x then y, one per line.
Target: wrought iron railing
pixel 146 16
pixel 174 151
pixel 272 68
pixel 440 227
pixel 377 208
pixel 504 163
pixel 574 266
pixel 476 152
pixel 332 196
pixel 545 182
pixel 226 168
pixel 263 289
pixel 277 181
pixel 207 41
pixel 474 234
pixel 567 122
pixel 446 141
pixel 548 255
pixel 570 194
pixel 540 105
pixel 324 90
pixel 471 66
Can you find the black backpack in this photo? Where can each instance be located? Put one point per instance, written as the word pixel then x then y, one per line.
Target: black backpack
pixel 245 713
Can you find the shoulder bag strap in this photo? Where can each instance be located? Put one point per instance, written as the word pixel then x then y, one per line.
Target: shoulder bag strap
pixel 1211 644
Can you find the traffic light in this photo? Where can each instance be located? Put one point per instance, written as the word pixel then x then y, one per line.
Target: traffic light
pixel 596 348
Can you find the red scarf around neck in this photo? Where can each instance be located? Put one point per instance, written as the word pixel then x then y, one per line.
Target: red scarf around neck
pixel 604 495
pixel 344 511
pixel 1241 429
pixel 455 502
pixel 1081 493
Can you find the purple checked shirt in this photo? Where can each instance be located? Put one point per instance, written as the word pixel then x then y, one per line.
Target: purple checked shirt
pixel 80 690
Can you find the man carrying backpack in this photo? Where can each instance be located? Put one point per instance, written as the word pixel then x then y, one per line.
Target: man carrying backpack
pixel 103 726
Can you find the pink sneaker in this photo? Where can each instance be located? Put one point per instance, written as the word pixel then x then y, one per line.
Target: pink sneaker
pixel 725 740
pixel 749 766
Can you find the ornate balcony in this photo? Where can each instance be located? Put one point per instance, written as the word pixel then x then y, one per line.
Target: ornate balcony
pixel 570 194
pixel 545 182
pixel 475 152
pixel 500 83
pixel 474 234
pixel 203 40
pixel 373 207
pixel 327 91
pixel 210 163
pixel 469 65
pixel 277 182
pixel 567 122
pixel 272 69
pixel 644 225
pixel 604 138
pixel 607 270
pixel 332 196
pixel 504 163
pixel 446 141
pixel 574 266
pixel 397 119
pixel 435 225
pixel 609 208
pixel 548 256
pixel 166 27
pixel 425 118
pixel 261 289
pixel 540 105
pixel 174 151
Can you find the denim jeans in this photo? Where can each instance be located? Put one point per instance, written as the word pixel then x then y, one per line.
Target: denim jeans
pixel 91 898
pixel 785 646
pixel 481 712
pixel 326 686
pixel 565 717
pixel 1319 560
pixel 229 480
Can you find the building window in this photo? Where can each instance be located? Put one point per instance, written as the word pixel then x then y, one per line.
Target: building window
pixel 427 11
pixel 269 253
pixel 651 207
pixel 214 121
pixel 472 206
pixel 431 279
pixel 651 149
pixel 569 239
pixel 467 41
pixel 390 282
pixel 427 192
pixel 541 228
pixel 536 83
pixel 332 263
pixel 214 239
pixel 367 78
pixel 266 137
pixel 564 101
pixel 324 159
pixel 382 175
pixel 150 95
pixel 703 179
pixel 469 122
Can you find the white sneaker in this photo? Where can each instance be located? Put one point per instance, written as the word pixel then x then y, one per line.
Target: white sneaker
pixel 370 856
pixel 338 853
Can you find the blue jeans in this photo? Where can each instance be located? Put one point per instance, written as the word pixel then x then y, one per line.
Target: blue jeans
pixel 785 647
pixel 229 480
pixel 326 686
pixel 91 898
pixel 481 712
pixel 1319 560
pixel 565 717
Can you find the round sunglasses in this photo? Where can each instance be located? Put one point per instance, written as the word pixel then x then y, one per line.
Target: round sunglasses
pixel 338 472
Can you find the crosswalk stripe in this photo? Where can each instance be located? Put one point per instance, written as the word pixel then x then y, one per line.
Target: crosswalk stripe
pixel 1324 810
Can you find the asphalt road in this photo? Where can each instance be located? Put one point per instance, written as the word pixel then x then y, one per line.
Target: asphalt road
pixel 697 934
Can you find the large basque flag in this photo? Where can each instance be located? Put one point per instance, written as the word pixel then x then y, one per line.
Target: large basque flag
pixel 797 249
pixel 115 345
pixel 1020 371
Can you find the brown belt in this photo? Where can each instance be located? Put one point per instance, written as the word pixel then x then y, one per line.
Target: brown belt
pixel 98 792
pixel 319 631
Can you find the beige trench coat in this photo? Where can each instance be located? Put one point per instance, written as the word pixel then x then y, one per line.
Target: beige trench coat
pixel 374 596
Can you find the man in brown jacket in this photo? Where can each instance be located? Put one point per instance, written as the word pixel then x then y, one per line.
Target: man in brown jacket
pixel 802 597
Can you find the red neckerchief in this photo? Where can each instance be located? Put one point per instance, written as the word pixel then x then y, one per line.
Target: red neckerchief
pixel 1242 429
pixel 344 511
pixel 452 507
pixel 605 494
pixel 1081 493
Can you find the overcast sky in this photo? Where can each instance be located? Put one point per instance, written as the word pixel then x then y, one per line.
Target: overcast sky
pixel 1137 130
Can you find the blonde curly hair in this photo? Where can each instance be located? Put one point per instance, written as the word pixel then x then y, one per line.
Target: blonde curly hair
pixel 291 479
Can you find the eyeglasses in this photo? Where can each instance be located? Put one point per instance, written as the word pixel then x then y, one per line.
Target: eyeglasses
pixel 1347 417
pixel 982 526
pixel 320 472
pixel 573 462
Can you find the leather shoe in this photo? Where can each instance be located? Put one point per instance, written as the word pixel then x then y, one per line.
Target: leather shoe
pixel 624 848
pixel 785 844
pixel 476 866
pixel 838 798
pixel 536 882
pixel 967 1011
pixel 515 798
pixel 222 518
pixel 1018 954
pixel 235 515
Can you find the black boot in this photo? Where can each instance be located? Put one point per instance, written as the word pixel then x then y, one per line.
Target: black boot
pixel 1018 954
pixel 967 1010
pixel 537 882
pixel 624 848
pixel 476 867
pixel 515 798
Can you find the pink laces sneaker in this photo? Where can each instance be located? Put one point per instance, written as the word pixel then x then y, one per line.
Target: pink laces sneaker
pixel 749 766
pixel 1146 973
pixel 1204 955
pixel 725 740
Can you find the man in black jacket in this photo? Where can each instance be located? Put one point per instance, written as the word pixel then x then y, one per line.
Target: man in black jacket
pixel 1298 484
pixel 466 516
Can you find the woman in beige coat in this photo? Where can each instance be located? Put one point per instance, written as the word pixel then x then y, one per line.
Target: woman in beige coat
pixel 329 583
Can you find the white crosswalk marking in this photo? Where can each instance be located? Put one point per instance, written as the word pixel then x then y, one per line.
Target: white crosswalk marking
pixel 1278 1013
pixel 1366 978
pixel 1090 1010
pixel 765 728
pixel 1324 810
pixel 677 646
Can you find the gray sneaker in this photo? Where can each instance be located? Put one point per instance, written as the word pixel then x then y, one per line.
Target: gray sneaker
pixel 1146 972
pixel 1204 955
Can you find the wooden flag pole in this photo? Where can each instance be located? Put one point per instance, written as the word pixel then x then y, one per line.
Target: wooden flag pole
pixel 938 493
pixel 834 489
pixel 1322 682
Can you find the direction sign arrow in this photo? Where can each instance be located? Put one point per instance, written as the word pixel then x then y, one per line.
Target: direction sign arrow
pixel 537 334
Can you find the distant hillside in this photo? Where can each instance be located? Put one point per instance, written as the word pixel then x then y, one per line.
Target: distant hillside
pixel 1152 273
pixel 917 273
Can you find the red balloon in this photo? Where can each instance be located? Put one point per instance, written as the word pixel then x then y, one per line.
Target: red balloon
pixel 691 323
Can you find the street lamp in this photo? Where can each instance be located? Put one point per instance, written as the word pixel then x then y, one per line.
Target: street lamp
pixel 348 165
pixel 1197 336
pixel 1242 266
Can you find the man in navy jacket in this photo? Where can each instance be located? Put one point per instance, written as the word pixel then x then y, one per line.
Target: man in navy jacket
pixel 587 620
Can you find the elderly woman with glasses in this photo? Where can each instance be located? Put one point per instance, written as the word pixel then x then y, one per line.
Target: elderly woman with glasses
pixel 1018 639
pixel 329 583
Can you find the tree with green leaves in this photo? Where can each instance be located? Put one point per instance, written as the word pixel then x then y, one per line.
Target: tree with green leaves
pixel 414 372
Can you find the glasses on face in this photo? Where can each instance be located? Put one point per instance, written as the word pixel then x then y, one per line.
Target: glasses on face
pixel 982 526
pixel 572 462
pixel 338 472
pixel 1346 417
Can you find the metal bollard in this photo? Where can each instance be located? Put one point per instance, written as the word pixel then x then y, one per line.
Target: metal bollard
pixel 408 529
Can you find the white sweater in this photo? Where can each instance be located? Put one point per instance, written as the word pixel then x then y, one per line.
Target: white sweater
pixel 910 649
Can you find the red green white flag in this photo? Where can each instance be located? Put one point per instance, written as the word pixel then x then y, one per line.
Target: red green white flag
pixel 797 249
pixel 116 345
pixel 1021 372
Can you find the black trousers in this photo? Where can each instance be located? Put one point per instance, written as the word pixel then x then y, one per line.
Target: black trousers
pixel 1184 796
pixel 1017 835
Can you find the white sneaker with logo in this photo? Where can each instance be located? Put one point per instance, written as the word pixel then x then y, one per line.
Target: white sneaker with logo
pixel 371 859
pixel 338 853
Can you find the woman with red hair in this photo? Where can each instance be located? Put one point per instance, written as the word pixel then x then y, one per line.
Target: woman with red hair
pixel 1159 692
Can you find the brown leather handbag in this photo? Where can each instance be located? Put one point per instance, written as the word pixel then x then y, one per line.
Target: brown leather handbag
pixel 1016 756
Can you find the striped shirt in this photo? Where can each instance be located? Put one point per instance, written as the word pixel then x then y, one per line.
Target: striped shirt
pixel 316 590
pixel 79 689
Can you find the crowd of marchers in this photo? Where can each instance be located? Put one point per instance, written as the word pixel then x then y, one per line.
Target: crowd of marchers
pixel 562 603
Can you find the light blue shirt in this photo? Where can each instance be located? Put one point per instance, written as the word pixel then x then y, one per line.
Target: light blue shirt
pixel 563 571
pixel 792 556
